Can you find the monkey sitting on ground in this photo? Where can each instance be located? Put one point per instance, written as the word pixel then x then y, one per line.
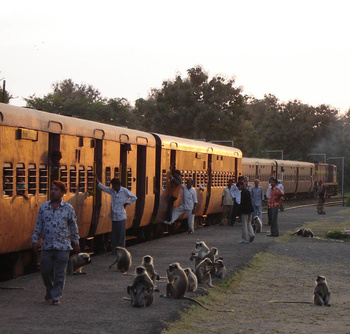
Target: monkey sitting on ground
pixel 322 294
pixel 304 232
pixel 220 269
pixel 141 291
pixel 147 262
pixel 201 250
pixel 203 272
pixel 192 280
pixel 257 225
pixel 124 259
pixel 77 262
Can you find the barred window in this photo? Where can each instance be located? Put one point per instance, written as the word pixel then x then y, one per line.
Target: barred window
pixel 72 179
pixel 20 179
pixel 43 179
pixel 82 179
pixel 7 179
pixel 90 179
pixel 64 175
pixel 108 176
pixel 32 179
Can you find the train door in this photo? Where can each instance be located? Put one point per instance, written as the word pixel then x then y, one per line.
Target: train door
pixel 97 202
pixel 209 172
pixel 54 157
pixel 141 183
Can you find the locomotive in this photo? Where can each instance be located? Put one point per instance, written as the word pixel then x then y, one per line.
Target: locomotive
pixel 37 147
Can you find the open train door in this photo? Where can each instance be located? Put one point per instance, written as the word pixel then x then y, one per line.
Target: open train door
pixel 209 172
pixel 140 186
pixel 97 194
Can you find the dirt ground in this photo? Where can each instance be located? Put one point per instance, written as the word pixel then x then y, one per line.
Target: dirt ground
pixel 268 269
pixel 262 295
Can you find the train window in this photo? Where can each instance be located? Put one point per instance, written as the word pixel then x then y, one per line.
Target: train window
pixel 32 179
pixel 7 179
pixel 72 179
pixel 43 179
pixel 81 141
pixel 90 179
pixel 164 178
pixel 20 179
pixel 82 179
pixel 108 176
pixel 116 172
pixel 64 175
pixel 129 180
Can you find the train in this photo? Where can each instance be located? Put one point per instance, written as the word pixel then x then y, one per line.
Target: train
pixel 297 177
pixel 30 140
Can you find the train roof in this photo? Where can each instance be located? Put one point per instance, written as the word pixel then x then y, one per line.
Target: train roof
pixel 271 162
pixel 49 122
pixel 192 145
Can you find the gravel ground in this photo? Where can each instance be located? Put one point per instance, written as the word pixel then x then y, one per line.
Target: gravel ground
pixel 93 303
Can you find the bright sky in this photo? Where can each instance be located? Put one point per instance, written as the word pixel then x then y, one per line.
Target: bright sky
pixel 292 49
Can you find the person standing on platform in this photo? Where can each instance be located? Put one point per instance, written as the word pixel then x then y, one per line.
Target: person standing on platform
pixel 189 203
pixel 236 195
pixel 226 203
pixel 320 192
pixel 121 197
pixel 257 198
pixel 280 185
pixel 273 203
pixel 246 211
pixel 56 225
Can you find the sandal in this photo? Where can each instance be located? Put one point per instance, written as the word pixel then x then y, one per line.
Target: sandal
pixel 56 303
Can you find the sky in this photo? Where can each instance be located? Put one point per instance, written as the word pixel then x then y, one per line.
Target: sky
pixel 295 50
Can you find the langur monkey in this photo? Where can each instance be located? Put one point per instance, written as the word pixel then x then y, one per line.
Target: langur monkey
pixel 220 269
pixel 141 290
pixel 192 280
pixel 147 262
pixel 201 250
pixel 178 283
pixel 203 272
pixel 76 263
pixel 322 294
pixel 257 225
pixel 304 232
pixel 124 259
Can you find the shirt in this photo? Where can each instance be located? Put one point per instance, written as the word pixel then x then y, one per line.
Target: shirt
pixel 228 200
pixel 273 200
pixel 57 228
pixel 235 193
pixel 257 195
pixel 119 198
pixel 189 198
pixel 246 203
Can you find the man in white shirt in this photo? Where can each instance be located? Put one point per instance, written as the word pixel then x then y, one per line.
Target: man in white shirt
pixel 121 197
pixel 189 203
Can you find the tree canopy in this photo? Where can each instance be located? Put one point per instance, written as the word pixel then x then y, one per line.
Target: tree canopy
pixel 212 108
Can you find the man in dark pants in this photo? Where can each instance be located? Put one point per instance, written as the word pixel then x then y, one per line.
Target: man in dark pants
pixel 121 197
pixel 273 203
pixel 236 195
pixel 56 225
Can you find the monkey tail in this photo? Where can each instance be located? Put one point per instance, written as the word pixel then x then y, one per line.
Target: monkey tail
pixel 200 304
pixel 288 302
pixel 127 299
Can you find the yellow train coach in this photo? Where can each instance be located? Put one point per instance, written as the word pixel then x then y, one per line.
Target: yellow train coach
pixel 38 147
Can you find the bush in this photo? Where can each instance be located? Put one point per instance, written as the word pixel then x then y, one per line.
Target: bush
pixel 339 235
pixel 347 201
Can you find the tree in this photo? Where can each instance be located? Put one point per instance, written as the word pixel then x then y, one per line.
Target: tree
pixel 5 98
pixel 83 101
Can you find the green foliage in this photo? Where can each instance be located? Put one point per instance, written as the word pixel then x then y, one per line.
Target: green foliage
pixel 83 101
pixel 347 202
pixel 339 235
pixel 7 96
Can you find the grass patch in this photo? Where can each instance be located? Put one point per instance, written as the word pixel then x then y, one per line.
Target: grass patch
pixel 338 235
